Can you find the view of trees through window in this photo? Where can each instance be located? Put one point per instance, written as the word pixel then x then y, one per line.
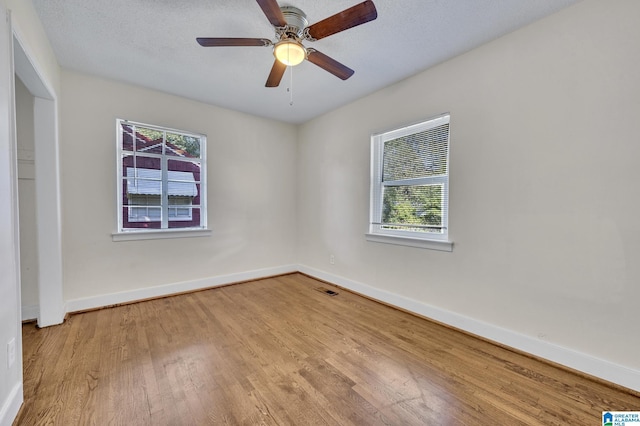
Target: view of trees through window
pixel 413 205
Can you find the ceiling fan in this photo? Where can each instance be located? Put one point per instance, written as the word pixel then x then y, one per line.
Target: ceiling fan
pixel 291 27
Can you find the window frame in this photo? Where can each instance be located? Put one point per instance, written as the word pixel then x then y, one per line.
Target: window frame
pixel 124 234
pixel 377 232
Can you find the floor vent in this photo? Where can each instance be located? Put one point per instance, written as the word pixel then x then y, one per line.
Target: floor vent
pixel 327 291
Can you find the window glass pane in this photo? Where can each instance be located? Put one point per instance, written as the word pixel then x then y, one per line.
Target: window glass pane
pixel 148 141
pixel 180 201
pixel 127 137
pixel 130 161
pixel 184 179
pixel 179 213
pixel 192 167
pixel 406 205
pixel 138 217
pixel 145 214
pixel 184 217
pixel 141 200
pixel 181 184
pixel 145 200
pixel 144 208
pixel 127 161
pixel 144 182
pixel 182 146
pixel 417 155
pixel 179 208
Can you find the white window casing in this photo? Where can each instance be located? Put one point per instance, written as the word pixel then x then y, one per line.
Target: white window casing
pixel 409 202
pixel 161 186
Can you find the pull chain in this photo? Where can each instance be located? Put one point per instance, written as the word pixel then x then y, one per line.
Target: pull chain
pixel 290 88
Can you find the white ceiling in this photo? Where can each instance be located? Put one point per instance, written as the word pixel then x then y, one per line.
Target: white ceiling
pixel 151 43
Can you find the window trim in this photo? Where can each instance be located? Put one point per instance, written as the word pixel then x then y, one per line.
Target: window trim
pixel 376 232
pixel 440 245
pixel 126 234
pixel 158 234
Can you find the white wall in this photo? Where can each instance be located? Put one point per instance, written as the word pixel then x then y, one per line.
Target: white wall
pixel 251 194
pixel 544 189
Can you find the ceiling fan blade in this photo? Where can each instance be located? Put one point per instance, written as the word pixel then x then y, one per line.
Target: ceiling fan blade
pixel 329 64
pixel 231 41
pixel 272 10
pixel 277 71
pixel 348 18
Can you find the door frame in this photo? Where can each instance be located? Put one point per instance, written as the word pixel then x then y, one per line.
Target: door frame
pixel 47 176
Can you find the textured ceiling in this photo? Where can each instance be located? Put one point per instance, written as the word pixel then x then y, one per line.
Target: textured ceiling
pixel 151 43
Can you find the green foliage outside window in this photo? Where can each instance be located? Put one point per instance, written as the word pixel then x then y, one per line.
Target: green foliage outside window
pixel 418 205
pixel 190 144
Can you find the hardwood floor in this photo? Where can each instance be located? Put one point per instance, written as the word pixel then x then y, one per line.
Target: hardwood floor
pixel 276 351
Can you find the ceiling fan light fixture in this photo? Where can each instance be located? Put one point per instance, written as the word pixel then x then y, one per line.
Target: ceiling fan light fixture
pixel 289 52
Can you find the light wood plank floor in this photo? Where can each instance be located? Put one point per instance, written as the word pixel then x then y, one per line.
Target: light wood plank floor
pixel 276 351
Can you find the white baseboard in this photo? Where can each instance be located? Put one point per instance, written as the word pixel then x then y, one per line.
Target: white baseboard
pixel 82 304
pixel 11 405
pixel 615 373
pixel 30 312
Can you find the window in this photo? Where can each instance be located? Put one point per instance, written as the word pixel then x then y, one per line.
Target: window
pixel 161 183
pixel 410 185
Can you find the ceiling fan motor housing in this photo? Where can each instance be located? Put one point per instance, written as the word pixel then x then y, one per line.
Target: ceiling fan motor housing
pixel 296 20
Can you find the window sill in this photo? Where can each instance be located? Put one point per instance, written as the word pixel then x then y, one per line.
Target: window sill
pixel 411 242
pixel 160 234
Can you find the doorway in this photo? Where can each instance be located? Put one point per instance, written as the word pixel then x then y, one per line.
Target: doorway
pixel 38 192
pixel 24 102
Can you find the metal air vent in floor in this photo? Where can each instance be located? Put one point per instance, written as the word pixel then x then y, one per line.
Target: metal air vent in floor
pixel 327 291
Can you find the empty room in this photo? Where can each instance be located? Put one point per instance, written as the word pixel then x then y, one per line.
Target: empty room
pixel 313 212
